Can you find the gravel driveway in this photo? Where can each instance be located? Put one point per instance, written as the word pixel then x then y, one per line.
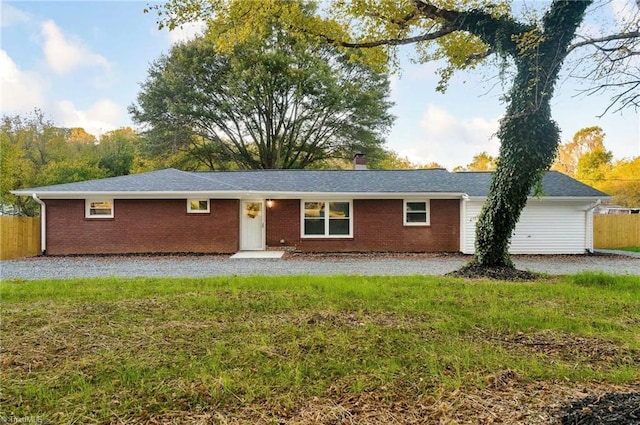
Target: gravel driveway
pixel 216 265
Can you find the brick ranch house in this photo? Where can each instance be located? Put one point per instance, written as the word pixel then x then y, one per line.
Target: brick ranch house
pixel 359 210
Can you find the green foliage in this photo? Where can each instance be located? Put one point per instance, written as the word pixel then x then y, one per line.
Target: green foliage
pixel 586 158
pixel 34 152
pixel 480 162
pixel 622 181
pixel 586 140
pixel 274 100
pixel 594 166
pixel 390 160
pixel 117 151
pixel 71 170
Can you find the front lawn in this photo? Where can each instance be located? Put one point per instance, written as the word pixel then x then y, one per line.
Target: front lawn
pixel 308 349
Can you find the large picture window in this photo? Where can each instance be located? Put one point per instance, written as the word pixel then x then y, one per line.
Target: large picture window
pixel 416 213
pixel 99 208
pixel 326 219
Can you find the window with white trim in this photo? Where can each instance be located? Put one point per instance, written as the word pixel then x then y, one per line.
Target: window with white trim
pixel 327 219
pixel 416 213
pixel 198 206
pixel 98 208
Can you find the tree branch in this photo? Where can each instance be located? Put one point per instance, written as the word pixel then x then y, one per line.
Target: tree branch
pixel 388 42
pixel 494 31
pixel 594 41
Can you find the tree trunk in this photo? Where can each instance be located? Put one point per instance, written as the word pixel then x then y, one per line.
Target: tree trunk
pixel 528 142
pixel 528 136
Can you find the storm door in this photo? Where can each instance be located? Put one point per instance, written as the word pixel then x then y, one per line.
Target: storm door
pixel 252 226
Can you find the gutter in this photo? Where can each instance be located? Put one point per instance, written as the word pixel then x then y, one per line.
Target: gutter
pixel 589 224
pixel 463 223
pixel 241 195
pixel 43 224
pixel 595 204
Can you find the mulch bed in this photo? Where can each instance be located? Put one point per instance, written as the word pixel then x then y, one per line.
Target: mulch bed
pixel 610 408
pixel 476 271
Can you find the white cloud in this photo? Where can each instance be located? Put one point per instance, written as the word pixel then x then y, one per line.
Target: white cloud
pixel 186 32
pixel 101 117
pixel 9 15
pixel 450 141
pixel 65 55
pixel 20 91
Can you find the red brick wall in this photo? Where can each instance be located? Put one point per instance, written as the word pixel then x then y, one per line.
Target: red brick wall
pixel 377 226
pixel 146 226
pixel 142 226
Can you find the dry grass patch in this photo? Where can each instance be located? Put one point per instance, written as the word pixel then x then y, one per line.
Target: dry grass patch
pixel 538 403
pixel 559 345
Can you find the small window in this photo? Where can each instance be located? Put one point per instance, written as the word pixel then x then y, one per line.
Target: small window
pixel 326 219
pixel 416 213
pixel 99 208
pixel 197 206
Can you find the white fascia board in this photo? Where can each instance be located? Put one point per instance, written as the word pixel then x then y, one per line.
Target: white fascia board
pixel 551 198
pixel 238 195
pixel 113 195
pixel 278 195
pixel 361 195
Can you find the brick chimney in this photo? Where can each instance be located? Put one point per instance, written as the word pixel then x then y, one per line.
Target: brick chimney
pixel 360 161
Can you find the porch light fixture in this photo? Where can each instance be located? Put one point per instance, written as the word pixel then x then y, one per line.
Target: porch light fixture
pixel 269 203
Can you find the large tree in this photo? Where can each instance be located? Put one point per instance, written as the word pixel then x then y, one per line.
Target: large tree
pixel 463 33
pixel 586 140
pixel 586 159
pixel 36 152
pixel 273 101
pixel 623 182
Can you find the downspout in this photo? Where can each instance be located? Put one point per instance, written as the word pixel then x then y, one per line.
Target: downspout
pixel 463 222
pixel 589 223
pixel 43 224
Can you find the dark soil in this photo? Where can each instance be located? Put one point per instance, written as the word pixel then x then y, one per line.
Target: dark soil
pixel 611 408
pixel 477 271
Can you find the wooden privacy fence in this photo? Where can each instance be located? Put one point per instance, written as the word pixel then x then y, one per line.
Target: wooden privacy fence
pixel 616 231
pixel 19 237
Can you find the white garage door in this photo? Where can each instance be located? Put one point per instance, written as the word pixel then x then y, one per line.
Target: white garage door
pixel 545 227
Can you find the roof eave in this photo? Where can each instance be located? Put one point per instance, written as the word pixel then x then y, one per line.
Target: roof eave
pixel 553 198
pixel 233 194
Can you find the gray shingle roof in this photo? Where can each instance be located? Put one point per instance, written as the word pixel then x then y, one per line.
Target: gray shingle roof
pixel 554 183
pixel 316 181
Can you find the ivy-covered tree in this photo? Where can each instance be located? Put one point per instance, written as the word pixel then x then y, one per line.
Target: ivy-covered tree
pixel 274 100
pixel 463 33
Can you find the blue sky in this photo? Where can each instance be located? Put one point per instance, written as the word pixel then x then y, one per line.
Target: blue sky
pixel 81 62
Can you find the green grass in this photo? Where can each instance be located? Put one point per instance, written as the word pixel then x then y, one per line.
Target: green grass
pixel 93 351
pixel 630 248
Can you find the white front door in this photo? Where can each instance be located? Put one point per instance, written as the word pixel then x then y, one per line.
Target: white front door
pixel 252 226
